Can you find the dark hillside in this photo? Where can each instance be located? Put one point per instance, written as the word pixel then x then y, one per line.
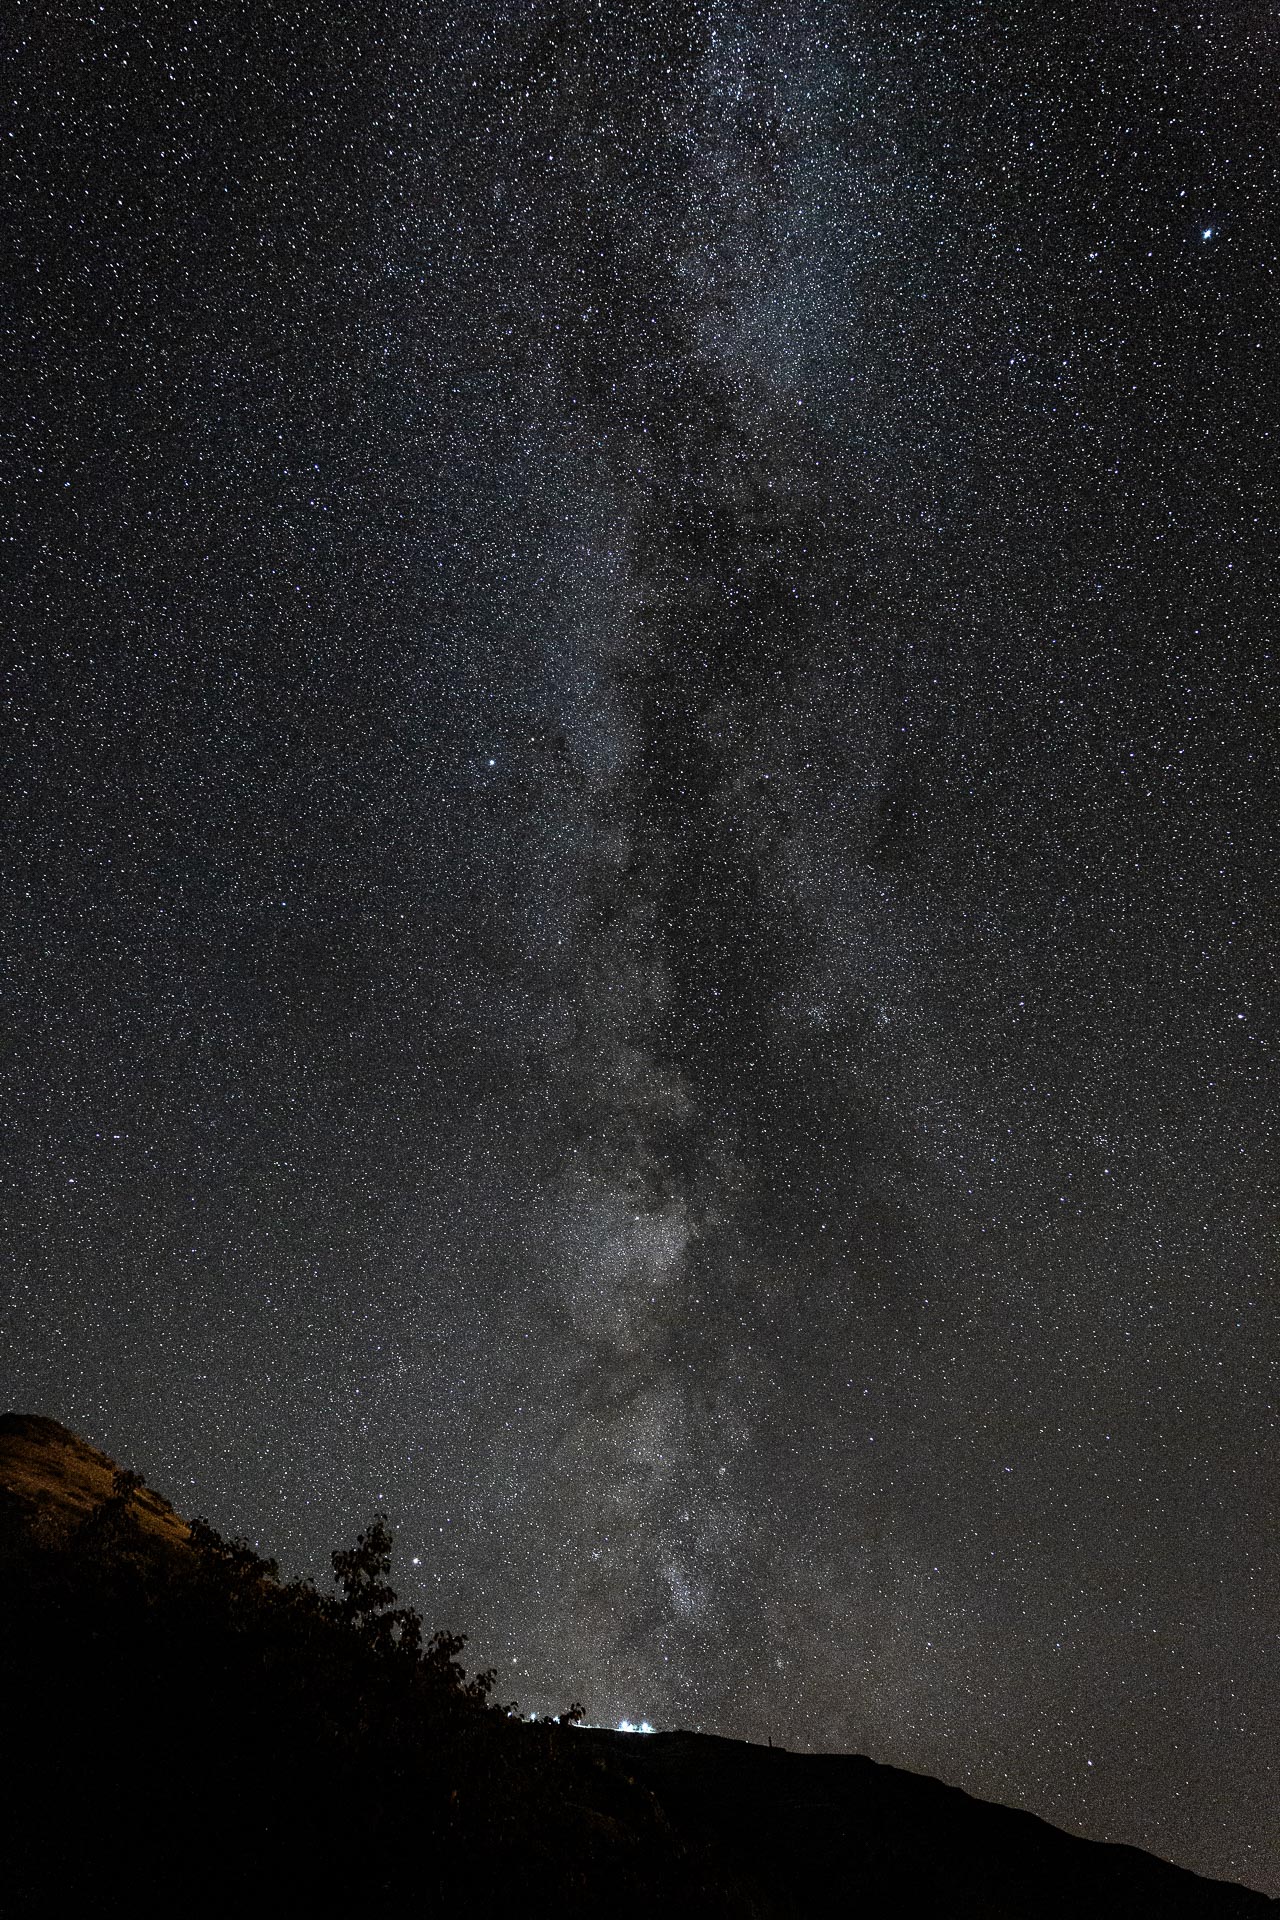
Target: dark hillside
pixel 811 1829
pixel 185 1732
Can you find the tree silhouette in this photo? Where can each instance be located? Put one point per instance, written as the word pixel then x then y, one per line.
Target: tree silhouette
pixel 368 1601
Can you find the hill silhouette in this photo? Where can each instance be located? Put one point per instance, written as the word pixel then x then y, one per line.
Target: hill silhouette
pixel 185 1731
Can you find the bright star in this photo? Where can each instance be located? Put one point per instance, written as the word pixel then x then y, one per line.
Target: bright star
pixel 1206 233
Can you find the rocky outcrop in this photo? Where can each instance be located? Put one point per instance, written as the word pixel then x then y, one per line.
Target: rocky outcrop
pixel 53 1479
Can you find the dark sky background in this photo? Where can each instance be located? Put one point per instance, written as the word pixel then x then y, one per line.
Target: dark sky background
pixel 641 840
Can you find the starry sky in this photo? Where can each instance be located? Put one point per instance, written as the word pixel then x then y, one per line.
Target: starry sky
pixel 641 814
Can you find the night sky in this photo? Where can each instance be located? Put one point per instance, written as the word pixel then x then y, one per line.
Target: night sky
pixel 641 837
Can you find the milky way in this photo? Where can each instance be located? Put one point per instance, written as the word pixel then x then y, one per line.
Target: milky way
pixel 642 814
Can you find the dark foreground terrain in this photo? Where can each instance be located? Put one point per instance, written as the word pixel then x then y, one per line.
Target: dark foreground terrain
pixel 186 1733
